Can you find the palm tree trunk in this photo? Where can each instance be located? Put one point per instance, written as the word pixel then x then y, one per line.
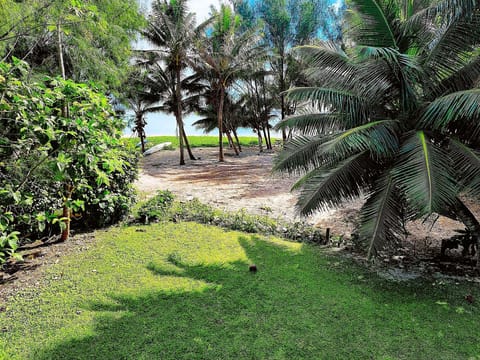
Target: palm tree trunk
pixel 187 145
pixel 68 188
pixel 236 139
pixel 260 140
pixel 282 93
pixel 269 139
pixel 471 223
pixel 230 140
pixel 178 115
pixel 265 137
pixel 140 130
pixel 220 123
pixel 66 213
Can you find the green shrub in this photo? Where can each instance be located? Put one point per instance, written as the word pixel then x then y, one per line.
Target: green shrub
pixel 156 208
pixel 107 204
pixel 50 161
pixel 162 206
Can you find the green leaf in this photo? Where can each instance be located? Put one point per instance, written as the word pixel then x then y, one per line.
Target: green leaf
pixel 424 173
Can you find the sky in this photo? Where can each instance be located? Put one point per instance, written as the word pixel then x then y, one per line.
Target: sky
pixel 202 8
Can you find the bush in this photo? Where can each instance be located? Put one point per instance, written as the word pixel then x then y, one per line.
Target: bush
pixel 107 204
pixel 52 161
pixel 156 208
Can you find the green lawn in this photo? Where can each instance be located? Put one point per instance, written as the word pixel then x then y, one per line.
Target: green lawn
pixel 196 141
pixel 183 291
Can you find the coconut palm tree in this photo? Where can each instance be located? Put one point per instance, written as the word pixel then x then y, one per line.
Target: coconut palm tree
pixel 397 117
pixel 257 105
pixel 142 96
pixel 207 109
pixel 223 56
pixel 173 30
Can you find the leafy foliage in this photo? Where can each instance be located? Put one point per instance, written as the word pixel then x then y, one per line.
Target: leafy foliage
pixel 156 208
pixel 43 153
pixel 96 37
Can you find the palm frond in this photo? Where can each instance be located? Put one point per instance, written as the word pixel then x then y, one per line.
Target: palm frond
pixel 462 106
pixel 381 216
pixel 371 25
pixel 467 166
pixel 451 48
pixel 304 153
pixel 446 11
pixel 325 63
pixel 424 173
pixel 342 101
pixel 330 187
pixel 463 79
pixel 301 154
pixel 311 123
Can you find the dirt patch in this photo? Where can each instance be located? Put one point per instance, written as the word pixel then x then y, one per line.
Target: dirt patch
pixel 38 257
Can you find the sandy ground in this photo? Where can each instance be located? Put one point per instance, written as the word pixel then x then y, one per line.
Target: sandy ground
pixel 241 182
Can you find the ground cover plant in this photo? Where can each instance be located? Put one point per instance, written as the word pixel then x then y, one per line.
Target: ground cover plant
pixel 163 207
pixel 195 141
pixel 183 291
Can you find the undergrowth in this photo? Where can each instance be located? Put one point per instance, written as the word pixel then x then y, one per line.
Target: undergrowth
pixel 163 207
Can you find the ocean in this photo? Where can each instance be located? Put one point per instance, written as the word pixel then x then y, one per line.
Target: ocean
pixel 163 124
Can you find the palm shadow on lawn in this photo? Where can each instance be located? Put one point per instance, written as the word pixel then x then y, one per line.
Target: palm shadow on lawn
pixel 298 305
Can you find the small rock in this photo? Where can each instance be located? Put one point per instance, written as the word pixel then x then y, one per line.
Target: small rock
pixel 78 312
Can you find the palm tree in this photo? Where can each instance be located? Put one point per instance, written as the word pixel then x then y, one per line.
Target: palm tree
pixel 257 104
pixel 397 117
pixel 224 56
pixel 173 30
pixel 207 108
pixel 142 95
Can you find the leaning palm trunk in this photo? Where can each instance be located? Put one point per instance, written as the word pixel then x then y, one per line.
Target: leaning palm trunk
pixel 236 139
pixel 260 140
pixel 269 139
pixel 178 115
pixel 230 140
pixel 187 145
pixel 266 138
pixel 220 123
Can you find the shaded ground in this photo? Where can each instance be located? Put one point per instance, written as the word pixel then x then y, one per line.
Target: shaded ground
pixel 30 273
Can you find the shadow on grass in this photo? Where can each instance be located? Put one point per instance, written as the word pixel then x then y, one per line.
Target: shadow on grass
pixel 298 305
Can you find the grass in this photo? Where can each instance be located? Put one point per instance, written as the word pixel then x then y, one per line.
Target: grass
pixel 196 141
pixel 183 291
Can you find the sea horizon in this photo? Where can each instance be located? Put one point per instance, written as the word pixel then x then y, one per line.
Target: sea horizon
pixel 159 124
